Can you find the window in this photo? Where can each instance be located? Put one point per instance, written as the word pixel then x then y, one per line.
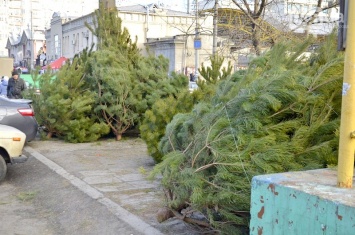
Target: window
pixel 289 7
pixel 56 45
pixel 77 41
pixel 64 40
pixel 129 17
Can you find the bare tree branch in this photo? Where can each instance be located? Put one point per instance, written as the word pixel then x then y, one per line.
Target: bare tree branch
pixel 246 4
pixel 261 8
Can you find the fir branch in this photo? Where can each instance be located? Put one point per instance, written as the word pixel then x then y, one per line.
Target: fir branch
pixel 216 163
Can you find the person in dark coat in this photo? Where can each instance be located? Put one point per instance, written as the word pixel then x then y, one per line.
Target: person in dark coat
pixel 15 86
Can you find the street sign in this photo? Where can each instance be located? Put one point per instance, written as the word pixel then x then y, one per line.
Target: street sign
pixel 197 44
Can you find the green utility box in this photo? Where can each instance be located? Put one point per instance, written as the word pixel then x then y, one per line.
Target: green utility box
pixel 301 203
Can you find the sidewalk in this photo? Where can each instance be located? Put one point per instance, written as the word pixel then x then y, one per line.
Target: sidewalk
pixel 114 173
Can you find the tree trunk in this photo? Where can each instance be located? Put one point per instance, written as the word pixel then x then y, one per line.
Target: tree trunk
pixel 164 214
pixel 49 135
pixel 256 39
pixel 118 137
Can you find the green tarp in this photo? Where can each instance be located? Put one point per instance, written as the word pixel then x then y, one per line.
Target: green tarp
pixel 28 78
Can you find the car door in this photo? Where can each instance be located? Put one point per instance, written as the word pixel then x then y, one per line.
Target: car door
pixel 3 110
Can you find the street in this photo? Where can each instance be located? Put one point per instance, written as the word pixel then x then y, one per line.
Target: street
pixel 89 188
pixel 35 200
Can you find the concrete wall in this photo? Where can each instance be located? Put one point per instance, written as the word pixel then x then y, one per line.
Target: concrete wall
pixel 180 51
pixel 301 203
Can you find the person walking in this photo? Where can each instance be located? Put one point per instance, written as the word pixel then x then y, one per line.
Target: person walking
pixel 3 85
pixel 15 86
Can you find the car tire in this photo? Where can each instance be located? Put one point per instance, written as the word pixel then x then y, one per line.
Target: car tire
pixel 3 168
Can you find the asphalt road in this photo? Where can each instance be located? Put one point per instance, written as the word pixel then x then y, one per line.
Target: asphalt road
pixel 35 200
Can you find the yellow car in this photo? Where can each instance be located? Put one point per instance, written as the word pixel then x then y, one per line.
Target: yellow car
pixel 12 142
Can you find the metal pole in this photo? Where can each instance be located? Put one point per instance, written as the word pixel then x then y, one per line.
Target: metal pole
pixel 197 35
pixel 32 41
pixel 347 124
pixel 215 20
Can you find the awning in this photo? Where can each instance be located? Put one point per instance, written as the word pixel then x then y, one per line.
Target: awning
pixel 57 64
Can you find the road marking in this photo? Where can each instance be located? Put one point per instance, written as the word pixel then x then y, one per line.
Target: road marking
pixel 116 209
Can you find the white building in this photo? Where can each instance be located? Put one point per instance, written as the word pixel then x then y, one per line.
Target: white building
pixel 293 15
pixel 166 32
pixel 34 15
pixel 289 15
pixel 179 5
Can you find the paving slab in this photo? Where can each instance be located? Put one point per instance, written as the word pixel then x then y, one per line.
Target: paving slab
pixel 115 173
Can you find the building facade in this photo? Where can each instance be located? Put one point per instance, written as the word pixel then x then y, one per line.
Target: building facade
pixel 22 48
pixel 293 15
pixel 165 32
pixel 289 15
pixel 187 6
pixel 291 18
pixel 18 16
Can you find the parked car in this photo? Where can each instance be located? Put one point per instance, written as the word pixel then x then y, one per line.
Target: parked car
pixel 12 142
pixel 19 113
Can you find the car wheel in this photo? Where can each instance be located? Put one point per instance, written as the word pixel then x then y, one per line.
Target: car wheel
pixel 3 168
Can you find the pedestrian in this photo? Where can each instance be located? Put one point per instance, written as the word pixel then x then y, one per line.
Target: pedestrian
pixel 40 51
pixel 15 86
pixel 192 77
pixel 44 59
pixel 3 85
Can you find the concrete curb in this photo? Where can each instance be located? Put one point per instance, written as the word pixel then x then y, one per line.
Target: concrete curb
pixel 116 209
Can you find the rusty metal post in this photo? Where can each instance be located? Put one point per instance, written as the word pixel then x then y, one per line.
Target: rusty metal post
pixel 347 124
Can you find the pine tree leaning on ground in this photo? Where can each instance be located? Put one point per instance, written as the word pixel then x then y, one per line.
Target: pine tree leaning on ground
pixel 45 105
pixel 155 120
pixel 81 123
pixel 176 98
pixel 126 83
pixel 280 115
pixel 65 105
pixel 154 83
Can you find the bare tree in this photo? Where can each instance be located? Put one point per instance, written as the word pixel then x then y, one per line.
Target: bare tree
pixel 311 19
pixel 259 23
pixel 254 15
